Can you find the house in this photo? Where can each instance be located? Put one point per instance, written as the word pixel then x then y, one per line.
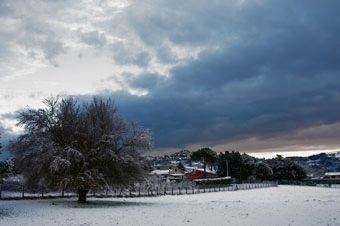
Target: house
pixel 199 173
pixel 168 173
pixel 332 176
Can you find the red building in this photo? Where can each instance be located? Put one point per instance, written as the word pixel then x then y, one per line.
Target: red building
pixel 199 173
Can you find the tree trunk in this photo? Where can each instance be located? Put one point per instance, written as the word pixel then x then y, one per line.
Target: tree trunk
pixel 205 169
pixel 82 195
pixel 63 191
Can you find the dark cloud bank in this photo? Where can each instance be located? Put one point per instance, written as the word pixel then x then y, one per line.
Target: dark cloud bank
pixel 273 68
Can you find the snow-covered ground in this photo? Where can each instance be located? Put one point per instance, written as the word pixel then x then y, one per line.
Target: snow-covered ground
pixel 283 205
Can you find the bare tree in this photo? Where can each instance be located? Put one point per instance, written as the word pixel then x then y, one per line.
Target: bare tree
pixel 86 146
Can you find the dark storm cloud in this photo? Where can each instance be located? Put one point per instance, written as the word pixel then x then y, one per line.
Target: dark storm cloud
pixel 275 70
pixel 124 55
pixel 93 38
pixel 144 81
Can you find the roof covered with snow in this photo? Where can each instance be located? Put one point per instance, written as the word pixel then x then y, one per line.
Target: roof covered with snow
pixel 159 172
pixel 332 174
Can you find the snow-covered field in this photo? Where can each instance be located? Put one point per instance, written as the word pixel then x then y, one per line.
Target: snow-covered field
pixel 283 205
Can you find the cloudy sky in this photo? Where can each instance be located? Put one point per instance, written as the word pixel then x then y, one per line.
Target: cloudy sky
pixel 249 75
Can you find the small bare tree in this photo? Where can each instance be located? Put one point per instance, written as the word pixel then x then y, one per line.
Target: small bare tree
pixel 87 146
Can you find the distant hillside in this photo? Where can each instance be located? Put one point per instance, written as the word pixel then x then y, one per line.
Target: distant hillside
pixel 317 165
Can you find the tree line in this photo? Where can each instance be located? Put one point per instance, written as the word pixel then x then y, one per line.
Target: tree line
pixel 243 167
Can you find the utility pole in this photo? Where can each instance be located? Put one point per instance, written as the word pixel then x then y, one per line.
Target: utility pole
pixel 226 162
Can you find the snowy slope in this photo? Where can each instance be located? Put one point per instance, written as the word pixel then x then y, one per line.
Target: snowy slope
pixel 284 205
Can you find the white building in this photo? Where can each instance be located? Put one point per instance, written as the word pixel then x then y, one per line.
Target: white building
pixel 332 176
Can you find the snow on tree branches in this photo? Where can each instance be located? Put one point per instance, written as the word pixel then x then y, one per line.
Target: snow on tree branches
pixel 86 145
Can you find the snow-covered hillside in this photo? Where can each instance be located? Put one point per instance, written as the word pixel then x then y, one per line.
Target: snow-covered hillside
pixel 283 205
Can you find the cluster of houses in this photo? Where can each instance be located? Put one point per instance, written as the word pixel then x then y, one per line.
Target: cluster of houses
pixel 165 168
pixel 174 173
pixel 170 173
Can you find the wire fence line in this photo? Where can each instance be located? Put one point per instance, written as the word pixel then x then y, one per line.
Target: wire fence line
pixel 182 188
pixel 139 190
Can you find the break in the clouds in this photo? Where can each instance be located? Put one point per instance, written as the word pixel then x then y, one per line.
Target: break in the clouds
pixel 247 74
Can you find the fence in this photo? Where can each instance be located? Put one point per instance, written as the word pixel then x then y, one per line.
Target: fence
pixel 156 189
pixel 139 190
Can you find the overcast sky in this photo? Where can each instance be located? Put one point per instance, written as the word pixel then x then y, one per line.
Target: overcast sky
pixel 257 75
